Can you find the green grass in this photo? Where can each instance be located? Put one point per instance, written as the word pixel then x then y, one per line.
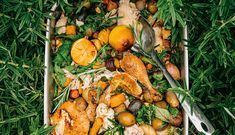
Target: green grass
pixel 212 60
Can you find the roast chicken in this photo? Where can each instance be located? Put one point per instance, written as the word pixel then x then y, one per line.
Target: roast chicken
pixel 127 82
pixel 128 12
pixel 132 65
pixel 69 120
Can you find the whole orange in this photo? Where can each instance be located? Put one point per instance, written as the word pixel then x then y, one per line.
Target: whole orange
pixel 121 38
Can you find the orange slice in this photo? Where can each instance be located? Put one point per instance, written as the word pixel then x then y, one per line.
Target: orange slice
pixel 83 52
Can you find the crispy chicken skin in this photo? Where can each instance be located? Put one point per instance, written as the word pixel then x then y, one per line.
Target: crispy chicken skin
pixel 127 82
pixel 69 120
pixel 132 65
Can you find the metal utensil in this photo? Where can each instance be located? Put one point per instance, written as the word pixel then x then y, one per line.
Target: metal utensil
pixel 196 116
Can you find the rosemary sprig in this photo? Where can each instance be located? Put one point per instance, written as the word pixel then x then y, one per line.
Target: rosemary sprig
pixel 116 128
pixel 64 95
pixel 14 64
pixel 170 11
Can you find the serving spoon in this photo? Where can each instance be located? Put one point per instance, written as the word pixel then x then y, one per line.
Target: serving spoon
pixel 196 116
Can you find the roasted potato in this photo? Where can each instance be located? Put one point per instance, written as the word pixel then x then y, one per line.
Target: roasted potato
pixel 81 103
pixel 161 104
pixel 126 119
pixel 117 100
pixel 166 33
pixel 120 108
pixel 97 43
pixel 171 99
pixel 90 110
pixel 147 129
pixel 147 97
pixel 173 70
pixel 157 123
pixel 140 4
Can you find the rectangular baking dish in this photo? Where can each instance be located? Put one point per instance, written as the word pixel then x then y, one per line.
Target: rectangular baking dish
pixel 49 84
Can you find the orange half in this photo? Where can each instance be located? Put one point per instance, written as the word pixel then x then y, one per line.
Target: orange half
pixel 83 52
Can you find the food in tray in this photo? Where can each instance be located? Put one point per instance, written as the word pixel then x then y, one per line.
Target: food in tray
pixel 101 85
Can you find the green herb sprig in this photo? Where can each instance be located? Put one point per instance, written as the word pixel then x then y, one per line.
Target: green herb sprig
pixel 171 12
pixel 112 130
